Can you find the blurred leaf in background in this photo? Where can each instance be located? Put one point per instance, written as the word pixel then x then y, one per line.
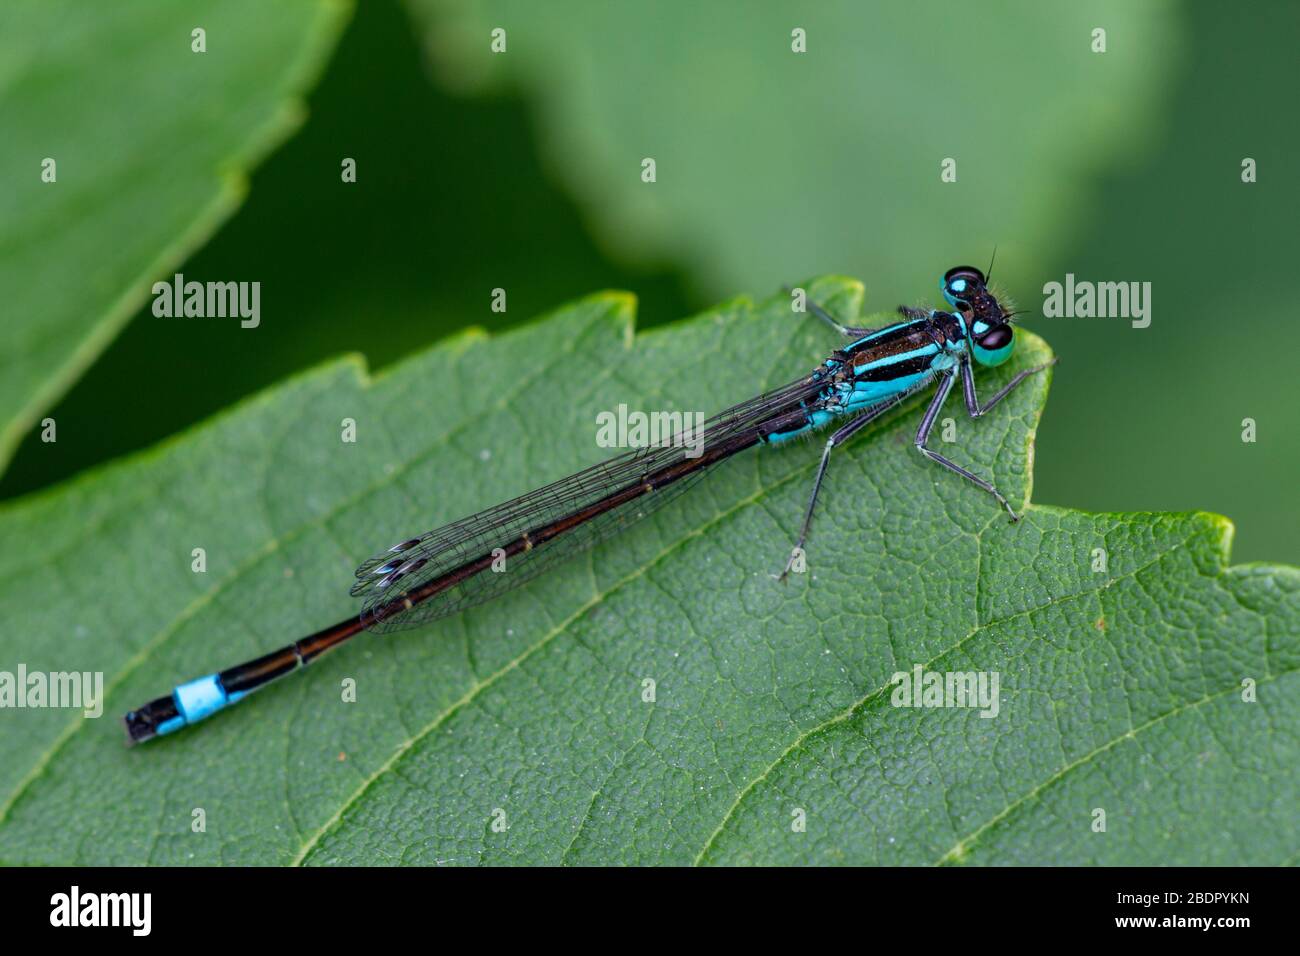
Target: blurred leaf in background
pixel 450 202
pixel 1115 166
pixel 772 164
pixel 1150 419
pixel 150 142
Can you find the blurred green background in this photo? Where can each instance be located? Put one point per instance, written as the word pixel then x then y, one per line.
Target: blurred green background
pixel 522 170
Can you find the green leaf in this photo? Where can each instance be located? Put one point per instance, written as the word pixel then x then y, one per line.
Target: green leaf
pixel 151 144
pixel 1120 690
pixel 771 163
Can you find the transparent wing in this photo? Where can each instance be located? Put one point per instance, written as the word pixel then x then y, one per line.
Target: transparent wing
pixel 544 527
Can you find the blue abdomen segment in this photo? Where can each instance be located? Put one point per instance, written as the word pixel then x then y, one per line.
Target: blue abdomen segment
pixel 196 700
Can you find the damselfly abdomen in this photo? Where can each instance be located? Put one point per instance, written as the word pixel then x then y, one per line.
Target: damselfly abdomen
pixel 480 557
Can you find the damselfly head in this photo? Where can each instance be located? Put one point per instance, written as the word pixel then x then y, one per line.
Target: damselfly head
pixel 966 289
pixel 992 337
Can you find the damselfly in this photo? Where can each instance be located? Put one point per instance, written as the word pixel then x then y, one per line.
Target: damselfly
pixel 480 557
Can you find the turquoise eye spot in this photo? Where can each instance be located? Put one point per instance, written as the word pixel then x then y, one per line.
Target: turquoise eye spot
pixel 959 285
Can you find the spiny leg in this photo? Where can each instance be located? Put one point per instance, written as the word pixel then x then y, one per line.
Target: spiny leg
pixel 923 435
pixel 844 330
pixel 973 405
pixel 838 438
pixel 909 312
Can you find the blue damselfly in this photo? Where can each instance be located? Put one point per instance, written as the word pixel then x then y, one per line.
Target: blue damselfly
pixel 459 565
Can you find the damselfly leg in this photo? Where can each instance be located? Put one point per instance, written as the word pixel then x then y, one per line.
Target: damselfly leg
pixel 841 436
pixel 975 409
pixel 923 435
pixel 845 330
pixel 973 405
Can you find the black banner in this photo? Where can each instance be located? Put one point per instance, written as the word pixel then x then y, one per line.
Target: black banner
pixel 931 907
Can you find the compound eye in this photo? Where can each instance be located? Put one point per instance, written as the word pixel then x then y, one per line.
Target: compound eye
pixel 961 284
pixel 963 279
pixel 998 337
